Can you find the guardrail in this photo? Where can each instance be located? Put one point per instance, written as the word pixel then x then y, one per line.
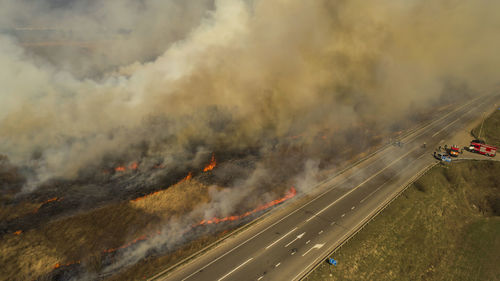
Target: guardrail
pixel 370 218
pixel 263 216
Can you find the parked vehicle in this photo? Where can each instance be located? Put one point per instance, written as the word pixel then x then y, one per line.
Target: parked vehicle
pixel 482 148
pixel 442 156
pixel 454 151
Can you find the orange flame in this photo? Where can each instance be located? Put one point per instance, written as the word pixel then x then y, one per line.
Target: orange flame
pixel 132 166
pixel 142 197
pixel 188 177
pixel 47 201
pixel 18 232
pixel 290 194
pixel 57 265
pixel 297 136
pixel 120 169
pixel 211 165
pixel 142 238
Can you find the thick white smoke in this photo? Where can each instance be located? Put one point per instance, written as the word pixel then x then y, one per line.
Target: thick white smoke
pixel 271 67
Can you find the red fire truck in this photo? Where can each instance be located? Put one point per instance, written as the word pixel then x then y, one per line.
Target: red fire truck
pixel 454 151
pixel 482 148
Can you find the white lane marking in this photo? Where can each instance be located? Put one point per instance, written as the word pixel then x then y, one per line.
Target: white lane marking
pixel 236 268
pixel 270 245
pixel 315 261
pixel 260 278
pixel 438 120
pixel 307 242
pixel 278 264
pixel 320 232
pixel 332 223
pixel 317 246
pixel 382 153
pixel 455 120
pixel 365 181
pixel 343 215
pixel 343 237
pixel 373 192
pixel 436 133
pixel 353 207
pixel 285 217
pixel 296 238
pixel 401 171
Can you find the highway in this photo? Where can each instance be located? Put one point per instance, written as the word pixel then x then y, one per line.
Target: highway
pixel 287 243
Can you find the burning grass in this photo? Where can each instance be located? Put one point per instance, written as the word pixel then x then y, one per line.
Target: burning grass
pixel 89 238
pixel 211 165
pixel 67 241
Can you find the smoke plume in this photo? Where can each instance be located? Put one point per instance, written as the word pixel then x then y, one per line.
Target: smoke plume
pixel 89 85
pixel 227 74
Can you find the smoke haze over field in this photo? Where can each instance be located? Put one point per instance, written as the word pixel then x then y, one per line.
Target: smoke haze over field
pixel 179 79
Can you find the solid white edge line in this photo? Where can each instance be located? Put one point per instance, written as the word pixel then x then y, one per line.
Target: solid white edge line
pixel 397 174
pixel 456 120
pixel 272 244
pixel 236 268
pixel 365 181
pixel 416 134
pixel 355 227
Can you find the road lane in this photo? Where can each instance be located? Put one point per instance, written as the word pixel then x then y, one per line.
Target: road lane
pixel 271 250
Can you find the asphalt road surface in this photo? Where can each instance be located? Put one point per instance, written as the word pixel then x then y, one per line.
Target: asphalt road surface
pixel 292 239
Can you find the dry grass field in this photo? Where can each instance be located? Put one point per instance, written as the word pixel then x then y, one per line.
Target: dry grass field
pixel 84 237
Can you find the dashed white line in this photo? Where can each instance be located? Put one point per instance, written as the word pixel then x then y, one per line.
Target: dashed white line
pixel 278 264
pixel 260 278
pixel 270 245
pixel 236 268
pixel 353 207
pixel 380 186
pixel 307 242
pixel 454 121
pixel 343 215
pixel 365 181
pixel 320 232
pixel 332 223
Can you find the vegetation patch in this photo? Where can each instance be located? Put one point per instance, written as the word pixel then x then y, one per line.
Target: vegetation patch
pixel 446 226
pixel 85 239
pixel 490 129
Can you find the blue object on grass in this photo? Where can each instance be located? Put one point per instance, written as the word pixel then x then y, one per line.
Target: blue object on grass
pixel 332 261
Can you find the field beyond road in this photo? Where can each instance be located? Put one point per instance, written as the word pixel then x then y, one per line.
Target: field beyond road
pixel 445 226
pixel 490 131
